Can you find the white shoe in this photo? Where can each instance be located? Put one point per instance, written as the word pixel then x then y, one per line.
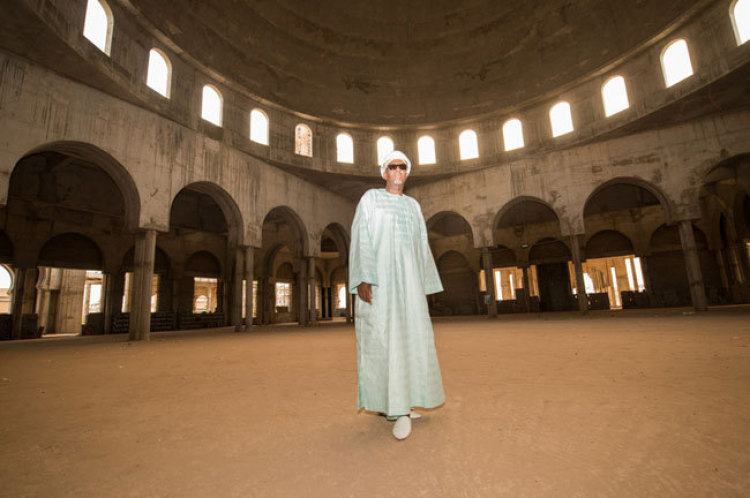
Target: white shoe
pixel 414 415
pixel 402 427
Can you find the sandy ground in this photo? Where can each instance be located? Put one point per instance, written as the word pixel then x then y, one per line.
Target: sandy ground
pixel 636 403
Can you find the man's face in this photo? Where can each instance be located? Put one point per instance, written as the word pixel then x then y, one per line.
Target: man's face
pixel 395 172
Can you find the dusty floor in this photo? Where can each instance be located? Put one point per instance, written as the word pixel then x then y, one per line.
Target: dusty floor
pixel 613 404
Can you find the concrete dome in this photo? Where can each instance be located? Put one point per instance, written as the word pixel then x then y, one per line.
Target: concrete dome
pixel 406 63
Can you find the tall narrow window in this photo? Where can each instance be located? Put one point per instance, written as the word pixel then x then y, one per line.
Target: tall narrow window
pixel 385 147
pixel 344 148
pixel 615 95
pixel 675 62
pixel 426 147
pixel 97 26
pixel 211 105
pixel 740 14
pixel 467 144
pixel 560 118
pixel 259 127
pixel 513 134
pixel 159 72
pixel 303 140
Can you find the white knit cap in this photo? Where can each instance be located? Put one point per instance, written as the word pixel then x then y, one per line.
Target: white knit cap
pixel 396 154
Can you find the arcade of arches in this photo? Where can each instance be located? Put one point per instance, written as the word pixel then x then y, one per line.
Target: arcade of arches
pixel 122 211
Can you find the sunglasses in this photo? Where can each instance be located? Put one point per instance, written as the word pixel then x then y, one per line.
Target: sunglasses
pixel 392 166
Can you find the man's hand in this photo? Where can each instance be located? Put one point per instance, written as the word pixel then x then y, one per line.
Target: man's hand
pixel 364 291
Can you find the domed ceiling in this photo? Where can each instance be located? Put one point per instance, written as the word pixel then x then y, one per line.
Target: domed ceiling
pixel 401 62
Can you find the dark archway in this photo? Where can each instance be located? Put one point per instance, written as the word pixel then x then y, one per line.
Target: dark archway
pixel 461 290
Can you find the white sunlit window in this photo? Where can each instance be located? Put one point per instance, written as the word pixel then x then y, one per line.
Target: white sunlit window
pixel 211 105
pixel 740 14
pixel 426 148
pixel 468 145
pixel 675 62
pixel 344 148
pixel 97 26
pixel 615 96
pixel 513 134
pixel 259 127
pixel 561 119
pixel 385 147
pixel 303 140
pixel 283 294
pixel 159 72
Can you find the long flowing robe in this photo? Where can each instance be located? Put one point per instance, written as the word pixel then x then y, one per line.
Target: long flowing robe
pixel 397 362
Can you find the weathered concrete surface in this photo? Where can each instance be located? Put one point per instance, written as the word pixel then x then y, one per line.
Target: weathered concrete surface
pixel 152 158
pixel 634 404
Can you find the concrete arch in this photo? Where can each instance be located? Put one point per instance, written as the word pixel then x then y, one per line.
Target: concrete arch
pixel 608 243
pixel 340 237
pixel 511 205
pixel 226 203
pixel 295 221
pixel 71 250
pixel 520 200
pixel 664 201
pixel 94 155
pixel 441 215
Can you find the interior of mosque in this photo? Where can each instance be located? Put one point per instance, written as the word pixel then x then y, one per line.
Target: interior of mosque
pixel 177 164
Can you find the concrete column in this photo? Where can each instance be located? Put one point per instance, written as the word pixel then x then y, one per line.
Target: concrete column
pixel 693 267
pixel 236 310
pixel 140 308
pixel 526 288
pixel 311 279
pixel 489 282
pixel 19 281
pixel 725 286
pixel 302 294
pixel 70 302
pixel 249 261
pixel 583 304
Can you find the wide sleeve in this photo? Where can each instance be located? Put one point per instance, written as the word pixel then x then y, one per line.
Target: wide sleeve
pixel 431 278
pixel 362 262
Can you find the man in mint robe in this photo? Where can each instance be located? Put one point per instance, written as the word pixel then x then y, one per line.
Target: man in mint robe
pixel 391 269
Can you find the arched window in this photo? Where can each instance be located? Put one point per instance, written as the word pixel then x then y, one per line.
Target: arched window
pixel 303 140
pixel 675 62
pixel 344 148
pixel 211 106
pixel 467 145
pixel 259 127
pixel 560 118
pixel 615 95
pixel 97 26
pixel 513 134
pixel 426 148
pixel 740 14
pixel 159 72
pixel 385 147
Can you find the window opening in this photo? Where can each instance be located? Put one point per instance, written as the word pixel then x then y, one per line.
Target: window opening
pixel 303 140
pixel 561 119
pixel 97 25
pixel 615 96
pixel 6 282
pixel 385 147
pixel 259 127
pixel 426 148
pixel 283 295
pixel 513 134
pixel 740 14
pixel 468 145
pixel 159 72
pixel 675 62
pixel 344 148
pixel 205 294
pixel 211 108
pixel 341 293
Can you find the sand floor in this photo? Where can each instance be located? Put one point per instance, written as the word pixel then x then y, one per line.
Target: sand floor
pixel 641 403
